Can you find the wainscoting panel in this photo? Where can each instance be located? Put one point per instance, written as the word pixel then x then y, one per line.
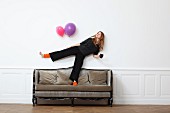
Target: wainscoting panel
pixel 141 86
pixel 15 85
pixel 131 86
pixel 150 85
pixel 165 85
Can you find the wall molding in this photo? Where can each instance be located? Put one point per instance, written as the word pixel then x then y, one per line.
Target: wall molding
pixel 113 68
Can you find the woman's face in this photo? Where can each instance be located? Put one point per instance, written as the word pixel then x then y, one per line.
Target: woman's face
pixel 98 35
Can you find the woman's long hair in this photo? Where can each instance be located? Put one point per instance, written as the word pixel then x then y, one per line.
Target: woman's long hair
pixel 101 42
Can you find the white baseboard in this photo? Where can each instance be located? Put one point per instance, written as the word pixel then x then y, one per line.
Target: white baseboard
pixel 142 101
pixel 16 101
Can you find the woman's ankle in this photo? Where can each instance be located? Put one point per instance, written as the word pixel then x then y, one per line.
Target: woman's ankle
pixel 45 55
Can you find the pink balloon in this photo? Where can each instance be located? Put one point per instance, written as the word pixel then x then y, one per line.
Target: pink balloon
pixel 60 31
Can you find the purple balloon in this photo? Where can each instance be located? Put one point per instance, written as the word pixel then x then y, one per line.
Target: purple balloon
pixel 70 29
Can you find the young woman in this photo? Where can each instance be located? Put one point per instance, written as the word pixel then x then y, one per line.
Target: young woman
pixel 92 45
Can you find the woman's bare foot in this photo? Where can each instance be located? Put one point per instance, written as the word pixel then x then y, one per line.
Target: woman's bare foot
pixel 42 55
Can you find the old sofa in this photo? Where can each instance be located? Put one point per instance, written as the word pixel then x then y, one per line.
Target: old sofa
pixel 53 84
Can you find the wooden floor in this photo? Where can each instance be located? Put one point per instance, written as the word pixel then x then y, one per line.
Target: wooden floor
pixel 16 108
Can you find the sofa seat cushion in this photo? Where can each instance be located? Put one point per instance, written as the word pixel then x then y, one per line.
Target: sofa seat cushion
pixel 93 88
pixel 69 94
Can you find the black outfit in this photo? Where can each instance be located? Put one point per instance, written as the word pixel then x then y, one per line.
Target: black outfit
pixel 86 47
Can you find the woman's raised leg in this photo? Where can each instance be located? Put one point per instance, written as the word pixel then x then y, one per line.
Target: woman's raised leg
pixel 61 54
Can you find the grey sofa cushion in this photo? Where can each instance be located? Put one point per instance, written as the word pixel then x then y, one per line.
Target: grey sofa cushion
pixel 83 78
pixel 65 72
pixel 47 77
pixel 97 77
pixel 101 88
pixel 52 78
pixel 63 76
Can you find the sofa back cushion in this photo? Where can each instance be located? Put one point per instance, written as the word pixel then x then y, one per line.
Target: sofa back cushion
pixel 47 77
pixel 54 77
pixel 61 77
pixel 83 78
pixel 65 74
pixel 98 77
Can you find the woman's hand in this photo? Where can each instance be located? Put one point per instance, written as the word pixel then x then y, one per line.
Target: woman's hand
pixel 96 56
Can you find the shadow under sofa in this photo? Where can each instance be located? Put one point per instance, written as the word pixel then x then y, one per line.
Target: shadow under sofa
pixel 52 84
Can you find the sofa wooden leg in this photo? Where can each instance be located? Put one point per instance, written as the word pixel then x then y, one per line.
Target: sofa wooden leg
pixel 34 101
pixel 108 101
pixel 72 102
pixel 111 102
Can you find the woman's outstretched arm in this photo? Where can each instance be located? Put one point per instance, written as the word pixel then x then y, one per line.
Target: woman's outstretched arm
pixel 98 56
pixel 78 44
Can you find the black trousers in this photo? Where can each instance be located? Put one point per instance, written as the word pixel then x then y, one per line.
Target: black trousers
pixel 79 58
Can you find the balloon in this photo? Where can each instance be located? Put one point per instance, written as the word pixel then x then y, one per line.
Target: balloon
pixel 60 31
pixel 70 29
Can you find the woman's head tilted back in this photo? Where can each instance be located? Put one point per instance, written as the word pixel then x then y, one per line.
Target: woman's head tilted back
pixel 99 39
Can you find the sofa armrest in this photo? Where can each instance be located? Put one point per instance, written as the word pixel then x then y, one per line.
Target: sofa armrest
pixel 36 77
pixel 109 78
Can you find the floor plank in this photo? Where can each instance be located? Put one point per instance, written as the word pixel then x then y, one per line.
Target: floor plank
pixel 24 108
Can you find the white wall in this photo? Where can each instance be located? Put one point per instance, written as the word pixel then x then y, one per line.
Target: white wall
pixel 28 27
pixel 136 48
pixel 141 33
pixel 137 31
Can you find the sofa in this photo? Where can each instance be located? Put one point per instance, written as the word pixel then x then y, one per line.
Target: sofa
pixel 53 84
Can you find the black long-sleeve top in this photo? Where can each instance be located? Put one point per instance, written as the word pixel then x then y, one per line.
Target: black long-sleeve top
pixel 87 47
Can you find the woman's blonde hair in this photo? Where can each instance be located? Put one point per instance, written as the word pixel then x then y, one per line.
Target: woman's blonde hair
pixel 101 42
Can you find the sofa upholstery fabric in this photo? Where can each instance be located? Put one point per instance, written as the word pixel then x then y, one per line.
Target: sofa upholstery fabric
pixel 53 83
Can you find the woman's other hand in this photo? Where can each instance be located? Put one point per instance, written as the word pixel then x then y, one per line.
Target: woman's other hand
pixel 96 56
